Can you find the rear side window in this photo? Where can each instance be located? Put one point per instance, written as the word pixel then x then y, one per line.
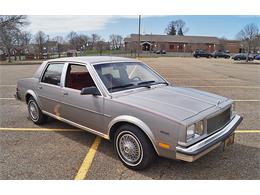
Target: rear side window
pixel 52 74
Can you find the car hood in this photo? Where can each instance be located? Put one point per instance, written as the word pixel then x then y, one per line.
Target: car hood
pixel 176 103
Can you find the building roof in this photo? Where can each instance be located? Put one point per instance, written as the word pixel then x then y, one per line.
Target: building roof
pixel 92 59
pixel 173 38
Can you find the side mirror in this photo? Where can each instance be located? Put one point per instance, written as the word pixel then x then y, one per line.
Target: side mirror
pixel 90 91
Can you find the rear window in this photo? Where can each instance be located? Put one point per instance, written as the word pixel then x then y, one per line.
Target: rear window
pixel 52 74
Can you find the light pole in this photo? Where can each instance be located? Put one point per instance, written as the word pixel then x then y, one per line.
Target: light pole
pixel 139 36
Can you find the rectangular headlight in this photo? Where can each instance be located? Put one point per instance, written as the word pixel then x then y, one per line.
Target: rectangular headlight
pixel 190 132
pixel 199 128
pixel 195 130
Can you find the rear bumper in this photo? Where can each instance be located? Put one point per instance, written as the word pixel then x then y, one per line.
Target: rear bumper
pixel 206 145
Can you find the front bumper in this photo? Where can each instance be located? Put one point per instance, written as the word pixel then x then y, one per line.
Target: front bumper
pixel 204 146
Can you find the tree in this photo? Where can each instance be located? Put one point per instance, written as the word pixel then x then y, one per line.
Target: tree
pixel 94 39
pixel 40 40
pixel 170 29
pixel 73 39
pixel 60 41
pixel 10 29
pixel 116 41
pixel 13 20
pixel 177 26
pixel 83 41
pixel 248 35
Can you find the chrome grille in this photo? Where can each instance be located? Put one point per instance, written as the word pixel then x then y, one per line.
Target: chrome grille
pixel 218 121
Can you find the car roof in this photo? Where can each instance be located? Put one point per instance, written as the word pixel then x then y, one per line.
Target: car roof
pixel 93 59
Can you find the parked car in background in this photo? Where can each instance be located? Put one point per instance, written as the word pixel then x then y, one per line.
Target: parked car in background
pixel 201 53
pixel 220 54
pixel 160 52
pixel 257 57
pixel 125 101
pixel 242 56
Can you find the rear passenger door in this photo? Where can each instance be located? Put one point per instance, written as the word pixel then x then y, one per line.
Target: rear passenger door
pixel 49 88
pixel 86 110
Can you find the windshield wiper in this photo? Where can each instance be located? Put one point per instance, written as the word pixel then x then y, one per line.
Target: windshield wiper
pixel 145 82
pixel 162 82
pixel 120 86
pixel 149 83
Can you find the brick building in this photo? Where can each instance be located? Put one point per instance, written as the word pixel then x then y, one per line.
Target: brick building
pixel 175 43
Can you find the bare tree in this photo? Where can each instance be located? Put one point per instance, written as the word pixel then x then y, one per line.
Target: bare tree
pixel 116 41
pixel 94 39
pixel 83 41
pixel 176 27
pixel 73 39
pixel 40 40
pixel 60 42
pixel 13 20
pixel 10 29
pixel 248 35
pixel 26 39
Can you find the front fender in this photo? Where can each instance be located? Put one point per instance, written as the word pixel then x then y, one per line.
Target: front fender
pixel 135 121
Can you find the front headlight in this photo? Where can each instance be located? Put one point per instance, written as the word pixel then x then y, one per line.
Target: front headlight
pixel 190 132
pixel 195 130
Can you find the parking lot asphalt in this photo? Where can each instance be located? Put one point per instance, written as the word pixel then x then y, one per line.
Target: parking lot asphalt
pixel 56 150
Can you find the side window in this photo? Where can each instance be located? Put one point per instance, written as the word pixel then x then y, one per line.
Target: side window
pixel 52 74
pixel 78 77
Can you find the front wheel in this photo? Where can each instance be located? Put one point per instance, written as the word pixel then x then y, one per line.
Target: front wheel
pixel 133 147
pixel 35 112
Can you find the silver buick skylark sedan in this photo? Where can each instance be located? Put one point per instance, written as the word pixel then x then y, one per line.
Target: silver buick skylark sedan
pixel 125 101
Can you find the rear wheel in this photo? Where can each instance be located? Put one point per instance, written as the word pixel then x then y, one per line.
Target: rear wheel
pixel 133 147
pixel 35 112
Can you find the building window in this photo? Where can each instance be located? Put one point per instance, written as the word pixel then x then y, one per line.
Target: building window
pixel 171 46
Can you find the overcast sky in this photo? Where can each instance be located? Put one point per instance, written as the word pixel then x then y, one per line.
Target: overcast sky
pixel 220 26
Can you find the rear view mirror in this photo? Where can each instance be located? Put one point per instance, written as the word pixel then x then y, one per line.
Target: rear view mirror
pixel 90 91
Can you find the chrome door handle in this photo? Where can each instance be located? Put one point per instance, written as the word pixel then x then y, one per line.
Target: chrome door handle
pixel 40 87
pixel 66 93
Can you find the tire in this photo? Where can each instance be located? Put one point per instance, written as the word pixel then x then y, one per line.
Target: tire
pixel 35 112
pixel 133 147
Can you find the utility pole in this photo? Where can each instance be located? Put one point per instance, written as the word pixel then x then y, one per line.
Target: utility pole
pixel 139 37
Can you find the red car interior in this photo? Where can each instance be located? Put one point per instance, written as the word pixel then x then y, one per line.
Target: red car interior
pixel 79 80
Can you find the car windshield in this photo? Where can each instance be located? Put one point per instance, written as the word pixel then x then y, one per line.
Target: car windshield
pixel 120 76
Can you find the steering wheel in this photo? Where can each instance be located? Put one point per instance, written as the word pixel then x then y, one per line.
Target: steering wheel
pixel 136 78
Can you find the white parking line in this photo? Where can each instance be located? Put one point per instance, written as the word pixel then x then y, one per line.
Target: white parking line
pixel 235 86
pixel 247 100
pixel 7 98
pixel 7 85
